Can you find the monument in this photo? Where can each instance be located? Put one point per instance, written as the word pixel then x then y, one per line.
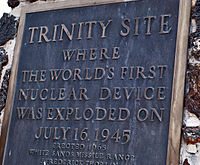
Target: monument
pixel 98 83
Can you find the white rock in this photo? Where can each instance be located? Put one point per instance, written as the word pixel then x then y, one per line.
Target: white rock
pixel 191 148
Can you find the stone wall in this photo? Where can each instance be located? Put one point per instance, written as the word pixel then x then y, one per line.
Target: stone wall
pixel 8 30
pixel 190 145
pixel 190 148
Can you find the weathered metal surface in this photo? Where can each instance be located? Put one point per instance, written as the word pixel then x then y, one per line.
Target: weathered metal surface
pixel 99 139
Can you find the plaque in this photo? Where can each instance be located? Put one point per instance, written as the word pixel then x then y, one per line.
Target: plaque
pixel 97 83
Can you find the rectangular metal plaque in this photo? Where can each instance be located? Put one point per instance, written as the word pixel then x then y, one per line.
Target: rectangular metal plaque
pixel 98 83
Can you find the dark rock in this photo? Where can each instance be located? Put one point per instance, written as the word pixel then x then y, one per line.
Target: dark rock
pixel 195 15
pixel 186 162
pixel 8 28
pixel 193 96
pixel 32 0
pixel 13 3
pixel 4 90
pixel 3 58
pixel 193 71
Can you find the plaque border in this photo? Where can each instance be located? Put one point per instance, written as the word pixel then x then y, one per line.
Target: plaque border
pixel 177 97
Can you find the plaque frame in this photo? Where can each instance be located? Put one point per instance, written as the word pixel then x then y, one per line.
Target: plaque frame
pixel 177 97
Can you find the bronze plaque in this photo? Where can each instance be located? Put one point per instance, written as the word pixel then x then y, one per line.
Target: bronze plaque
pixel 96 84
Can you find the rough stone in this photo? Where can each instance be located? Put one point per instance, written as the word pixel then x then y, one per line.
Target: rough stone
pixel 4 89
pixel 193 96
pixel 193 70
pixel 32 0
pixel 191 135
pixel 190 154
pixel 186 162
pixel 195 14
pixel 8 28
pixel 3 59
pixel 191 148
pixel 13 3
pixel 190 119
